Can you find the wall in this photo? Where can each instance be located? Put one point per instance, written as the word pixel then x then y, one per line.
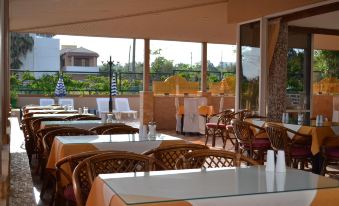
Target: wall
pixel 324 104
pixel 45 56
pixel 79 101
pixel 164 109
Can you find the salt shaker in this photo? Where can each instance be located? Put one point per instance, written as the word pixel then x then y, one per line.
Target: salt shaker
pixel 80 110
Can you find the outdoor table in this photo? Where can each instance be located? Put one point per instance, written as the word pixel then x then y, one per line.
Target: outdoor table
pixel 81 124
pixel 51 111
pixel 58 115
pixel 310 128
pixel 220 186
pixel 68 145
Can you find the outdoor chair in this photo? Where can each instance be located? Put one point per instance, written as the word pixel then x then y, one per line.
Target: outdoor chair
pixel 122 107
pixel 111 162
pixel 100 129
pixel 218 129
pixel 46 101
pixel 66 192
pixel 330 154
pixel 169 155
pixel 248 142
pixel 29 136
pixel 213 159
pixel 297 149
pixel 103 106
pixel 47 145
pixel 121 130
pixel 66 102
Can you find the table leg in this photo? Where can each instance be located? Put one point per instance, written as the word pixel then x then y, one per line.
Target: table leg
pixel 317 162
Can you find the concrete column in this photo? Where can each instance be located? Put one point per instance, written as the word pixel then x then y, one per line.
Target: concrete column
pixel 146 76
pixel 263 67
pixel 203 86
pixel 146 96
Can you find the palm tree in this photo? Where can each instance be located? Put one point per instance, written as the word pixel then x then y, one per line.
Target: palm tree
pixel 21 43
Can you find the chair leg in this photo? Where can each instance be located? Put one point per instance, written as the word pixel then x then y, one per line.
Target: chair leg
pixel 206 135
pixel 323 167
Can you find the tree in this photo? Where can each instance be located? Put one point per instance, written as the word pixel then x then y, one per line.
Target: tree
pixel 327 62
pixel 21 43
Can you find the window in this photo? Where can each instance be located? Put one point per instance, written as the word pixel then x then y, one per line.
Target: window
pixel 249 66
pixel 81 61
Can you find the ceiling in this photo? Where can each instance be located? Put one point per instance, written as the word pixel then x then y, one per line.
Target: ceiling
pixel 181 20
pixel 324 21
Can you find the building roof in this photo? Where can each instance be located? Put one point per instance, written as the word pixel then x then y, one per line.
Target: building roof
pixel 77 51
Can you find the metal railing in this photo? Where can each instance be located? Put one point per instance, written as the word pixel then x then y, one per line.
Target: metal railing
pixel 89 83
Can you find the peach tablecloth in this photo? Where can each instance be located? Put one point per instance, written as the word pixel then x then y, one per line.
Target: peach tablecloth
pixel 153 190
pixel 68 145
pixel 318 133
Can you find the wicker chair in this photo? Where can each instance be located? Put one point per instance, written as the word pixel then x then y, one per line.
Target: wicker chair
pixel 66 192
pixel 218 130
pixel 100 129
pixel 121 130
pixel 330 154
pixel 47 144
pixel 213 159
pixel 29 136
pixel 297 149
pixel 247 141
pixel 39 144
pixel 112 162
pixel 77 117
pixel 169 155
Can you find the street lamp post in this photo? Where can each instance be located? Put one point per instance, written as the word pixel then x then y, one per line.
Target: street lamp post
pixel 110 63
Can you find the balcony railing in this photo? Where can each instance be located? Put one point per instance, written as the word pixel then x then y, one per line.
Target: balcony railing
pixel 90 83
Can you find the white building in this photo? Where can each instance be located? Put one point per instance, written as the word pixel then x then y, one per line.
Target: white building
pixel 44 57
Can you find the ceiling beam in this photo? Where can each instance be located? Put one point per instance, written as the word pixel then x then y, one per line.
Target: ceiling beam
pixel 310 12
pixel 314 30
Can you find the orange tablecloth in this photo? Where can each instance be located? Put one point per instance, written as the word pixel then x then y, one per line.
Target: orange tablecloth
pixel 318 133
pixel 62 147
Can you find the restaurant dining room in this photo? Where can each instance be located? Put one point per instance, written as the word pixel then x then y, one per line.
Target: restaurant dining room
pixel 261 130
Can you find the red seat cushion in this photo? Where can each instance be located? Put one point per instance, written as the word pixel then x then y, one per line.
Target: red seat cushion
pixel 260 144
pixel 300 151
pixel 69 193
pixel 215 125
pixel 332 152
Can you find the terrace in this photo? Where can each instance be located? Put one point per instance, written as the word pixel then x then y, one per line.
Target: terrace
pixel 268 37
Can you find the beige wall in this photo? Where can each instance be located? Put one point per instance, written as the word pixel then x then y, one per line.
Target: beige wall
pixel 164 109
pixel 79 101
pixel 325 104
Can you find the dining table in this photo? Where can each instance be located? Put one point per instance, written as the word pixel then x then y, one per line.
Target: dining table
pixel 308 127
pixel 84 124
pixel 69 145
pixel 217 186
pixel 61 115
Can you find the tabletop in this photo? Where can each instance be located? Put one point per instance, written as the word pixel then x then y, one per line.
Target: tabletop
pixel 84 124
pixel 69 145
pixel 208 186
pixel 58 115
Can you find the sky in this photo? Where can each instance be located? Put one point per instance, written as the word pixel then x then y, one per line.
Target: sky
pixel 179 52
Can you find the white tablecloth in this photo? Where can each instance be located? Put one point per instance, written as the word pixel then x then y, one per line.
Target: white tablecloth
pixel 193 122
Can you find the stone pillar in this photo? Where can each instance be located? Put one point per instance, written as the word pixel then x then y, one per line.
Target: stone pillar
pixel 277 76
pixel 146 96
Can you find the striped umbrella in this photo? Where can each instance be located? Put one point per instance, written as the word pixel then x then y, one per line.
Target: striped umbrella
pixel 114 89
pixel 60 89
